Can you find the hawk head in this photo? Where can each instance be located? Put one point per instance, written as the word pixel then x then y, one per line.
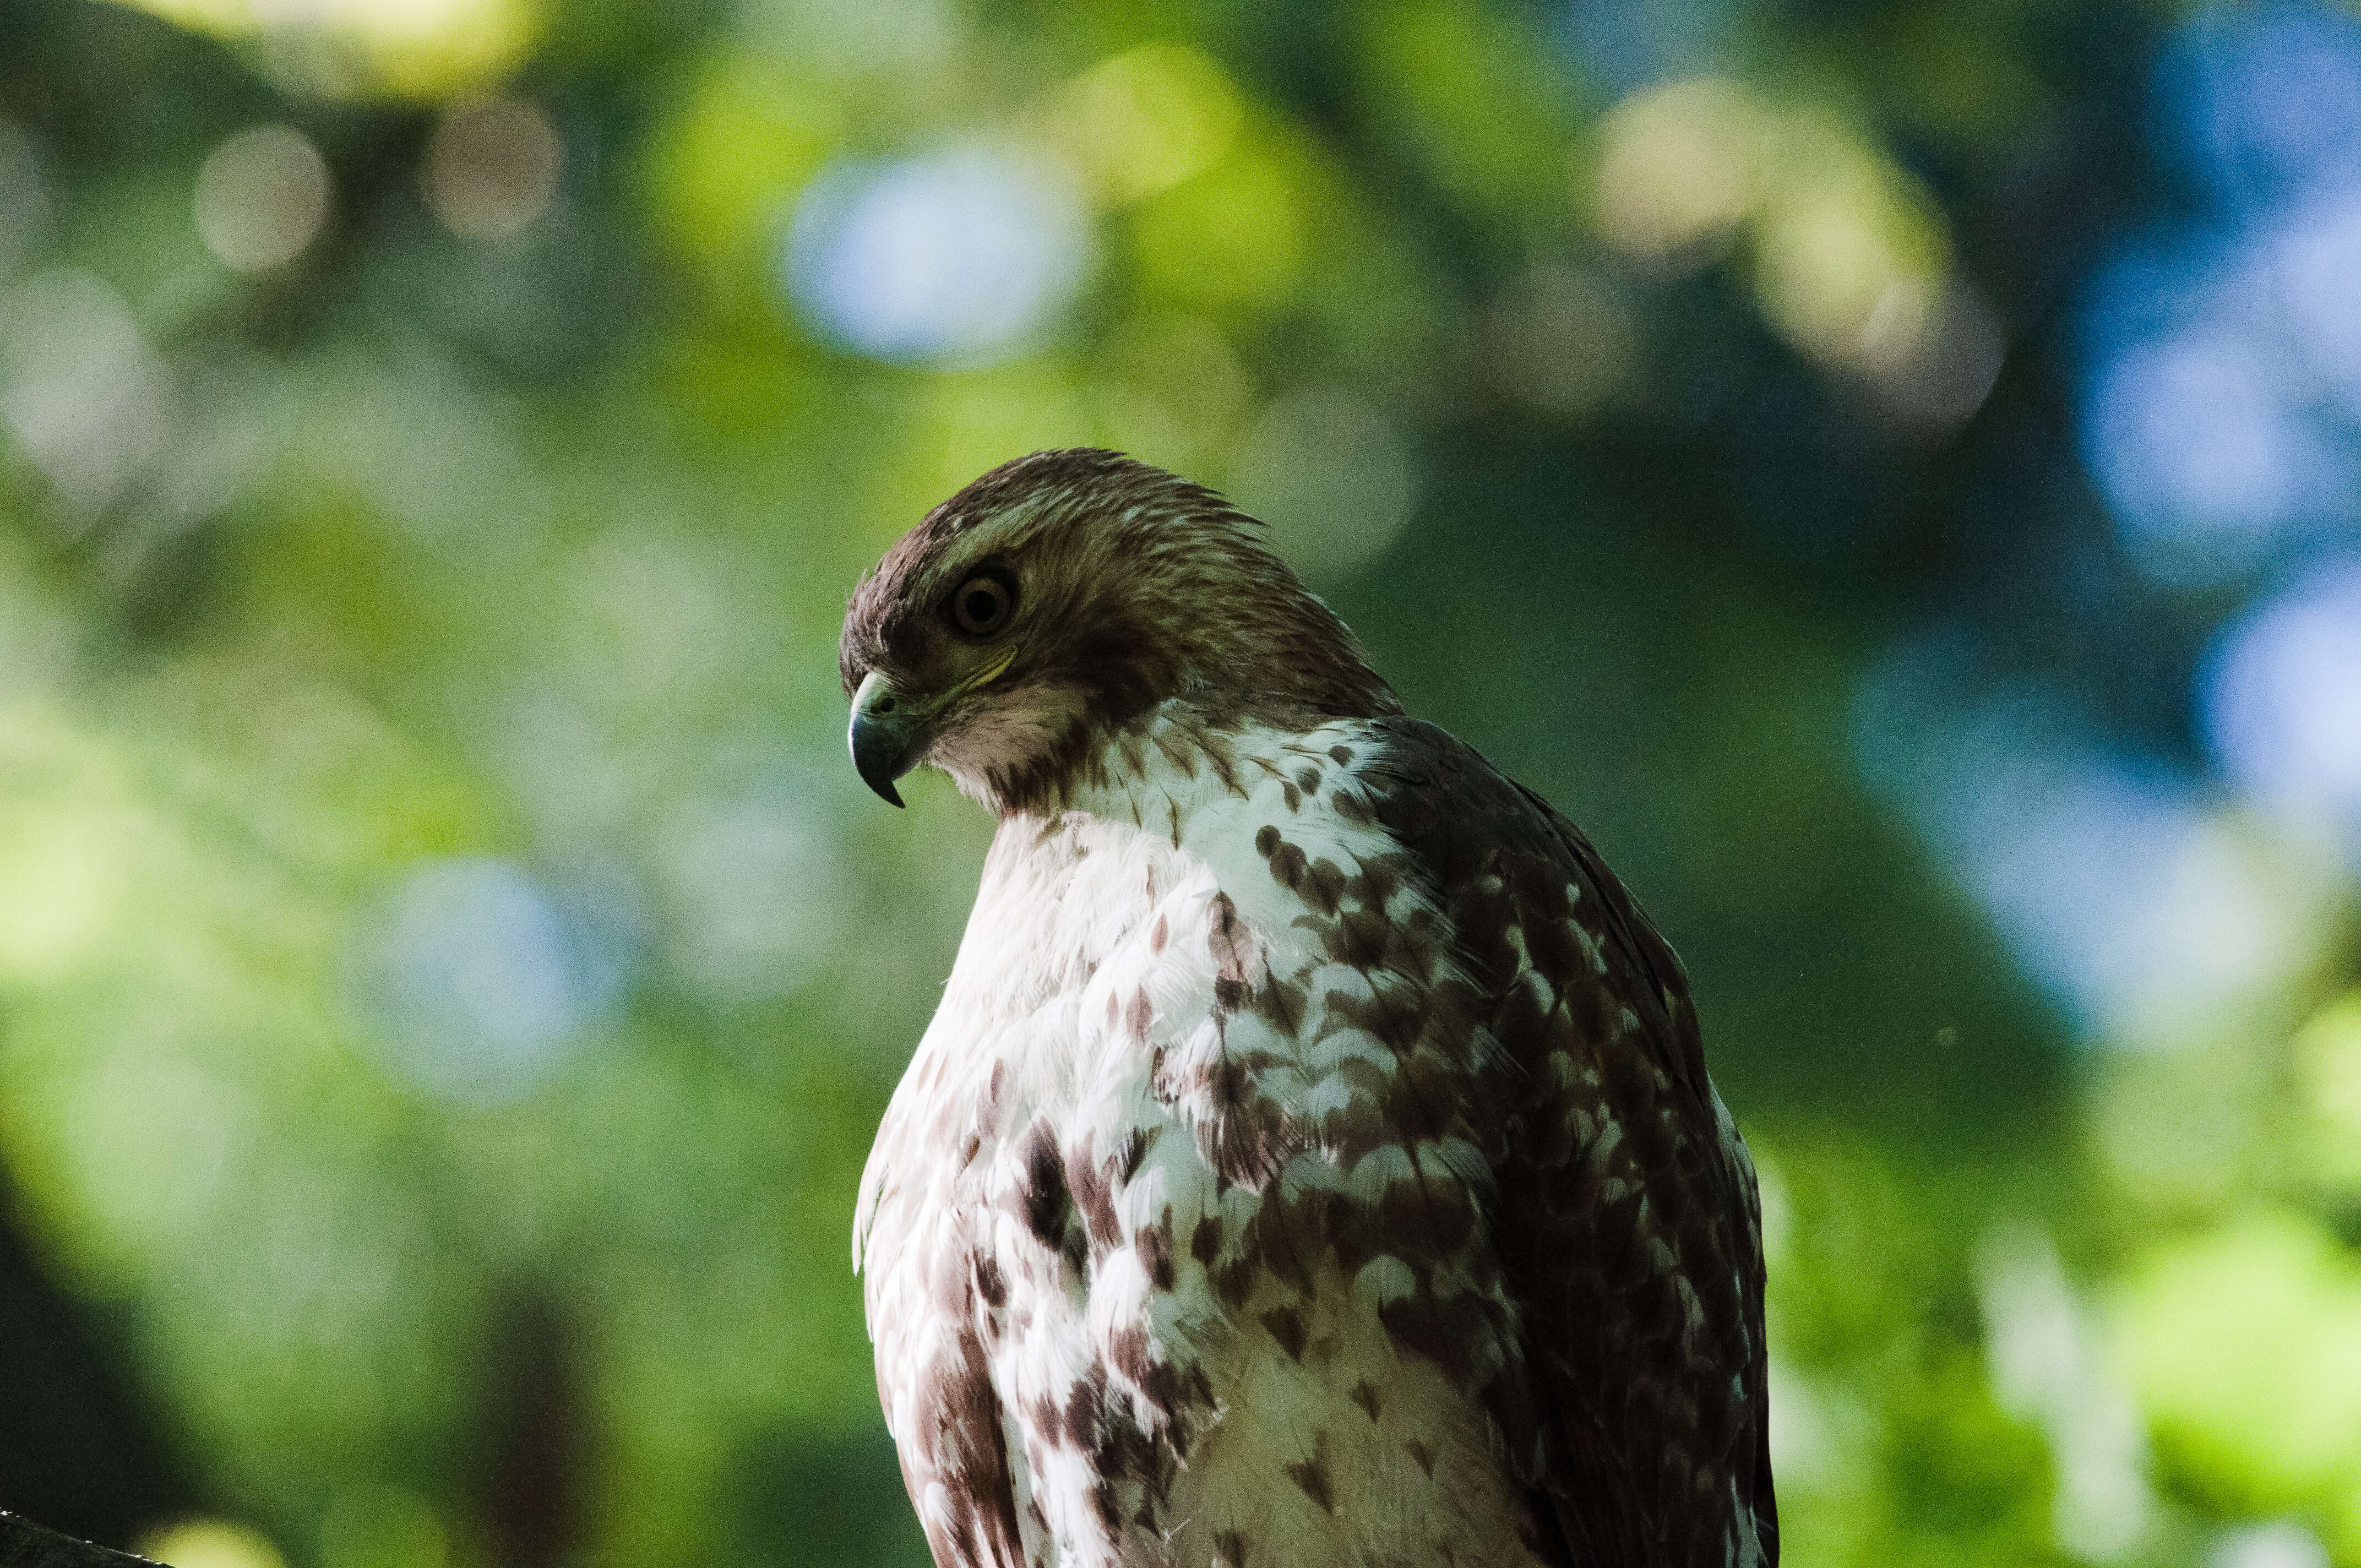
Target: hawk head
pixel 1061 597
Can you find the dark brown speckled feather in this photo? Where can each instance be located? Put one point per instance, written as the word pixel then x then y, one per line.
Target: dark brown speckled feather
pixel 1628 1221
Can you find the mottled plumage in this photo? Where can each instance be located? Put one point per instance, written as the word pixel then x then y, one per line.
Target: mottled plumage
pixel 1312 1161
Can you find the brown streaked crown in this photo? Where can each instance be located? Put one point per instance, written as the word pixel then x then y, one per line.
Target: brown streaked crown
pixel 1133 588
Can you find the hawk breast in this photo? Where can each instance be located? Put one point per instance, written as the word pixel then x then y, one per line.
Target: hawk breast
pixel 1220 1204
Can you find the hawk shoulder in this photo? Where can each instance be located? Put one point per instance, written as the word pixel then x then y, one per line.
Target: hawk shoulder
pixel 1627 1218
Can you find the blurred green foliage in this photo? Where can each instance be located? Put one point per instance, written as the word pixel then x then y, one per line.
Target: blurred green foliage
pixel 448 975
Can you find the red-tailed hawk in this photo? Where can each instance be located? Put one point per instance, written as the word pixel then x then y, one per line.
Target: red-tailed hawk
pixel 1312 1163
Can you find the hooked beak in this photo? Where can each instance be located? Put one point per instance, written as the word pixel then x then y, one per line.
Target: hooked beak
pixel 887 735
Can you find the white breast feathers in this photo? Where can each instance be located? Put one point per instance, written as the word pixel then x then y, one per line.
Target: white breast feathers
pixel 1143 1221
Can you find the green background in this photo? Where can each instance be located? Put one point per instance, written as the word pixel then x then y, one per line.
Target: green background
pixel 449 974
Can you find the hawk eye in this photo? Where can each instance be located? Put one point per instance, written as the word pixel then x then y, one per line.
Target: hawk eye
pixel 983 605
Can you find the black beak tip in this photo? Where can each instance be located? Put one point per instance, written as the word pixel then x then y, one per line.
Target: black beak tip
pixel 881 743
pixel 875 765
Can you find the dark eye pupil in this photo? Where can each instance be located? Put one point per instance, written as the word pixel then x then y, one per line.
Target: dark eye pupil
pixel 981 605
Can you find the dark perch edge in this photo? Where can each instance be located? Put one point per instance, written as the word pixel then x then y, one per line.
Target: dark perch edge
pixel 23 1544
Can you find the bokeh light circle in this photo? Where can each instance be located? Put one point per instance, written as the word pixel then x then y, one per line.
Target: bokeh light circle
pixel 1331 473
pixel 491 168
pixel 261 197
pixel 2282 698
pixel 955 256
pixel 481 981
pixel 2192 440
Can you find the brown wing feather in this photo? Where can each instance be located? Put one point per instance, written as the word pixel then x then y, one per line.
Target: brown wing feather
pixel 1627 1214
pixel 936 1385
pixel 977 1528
